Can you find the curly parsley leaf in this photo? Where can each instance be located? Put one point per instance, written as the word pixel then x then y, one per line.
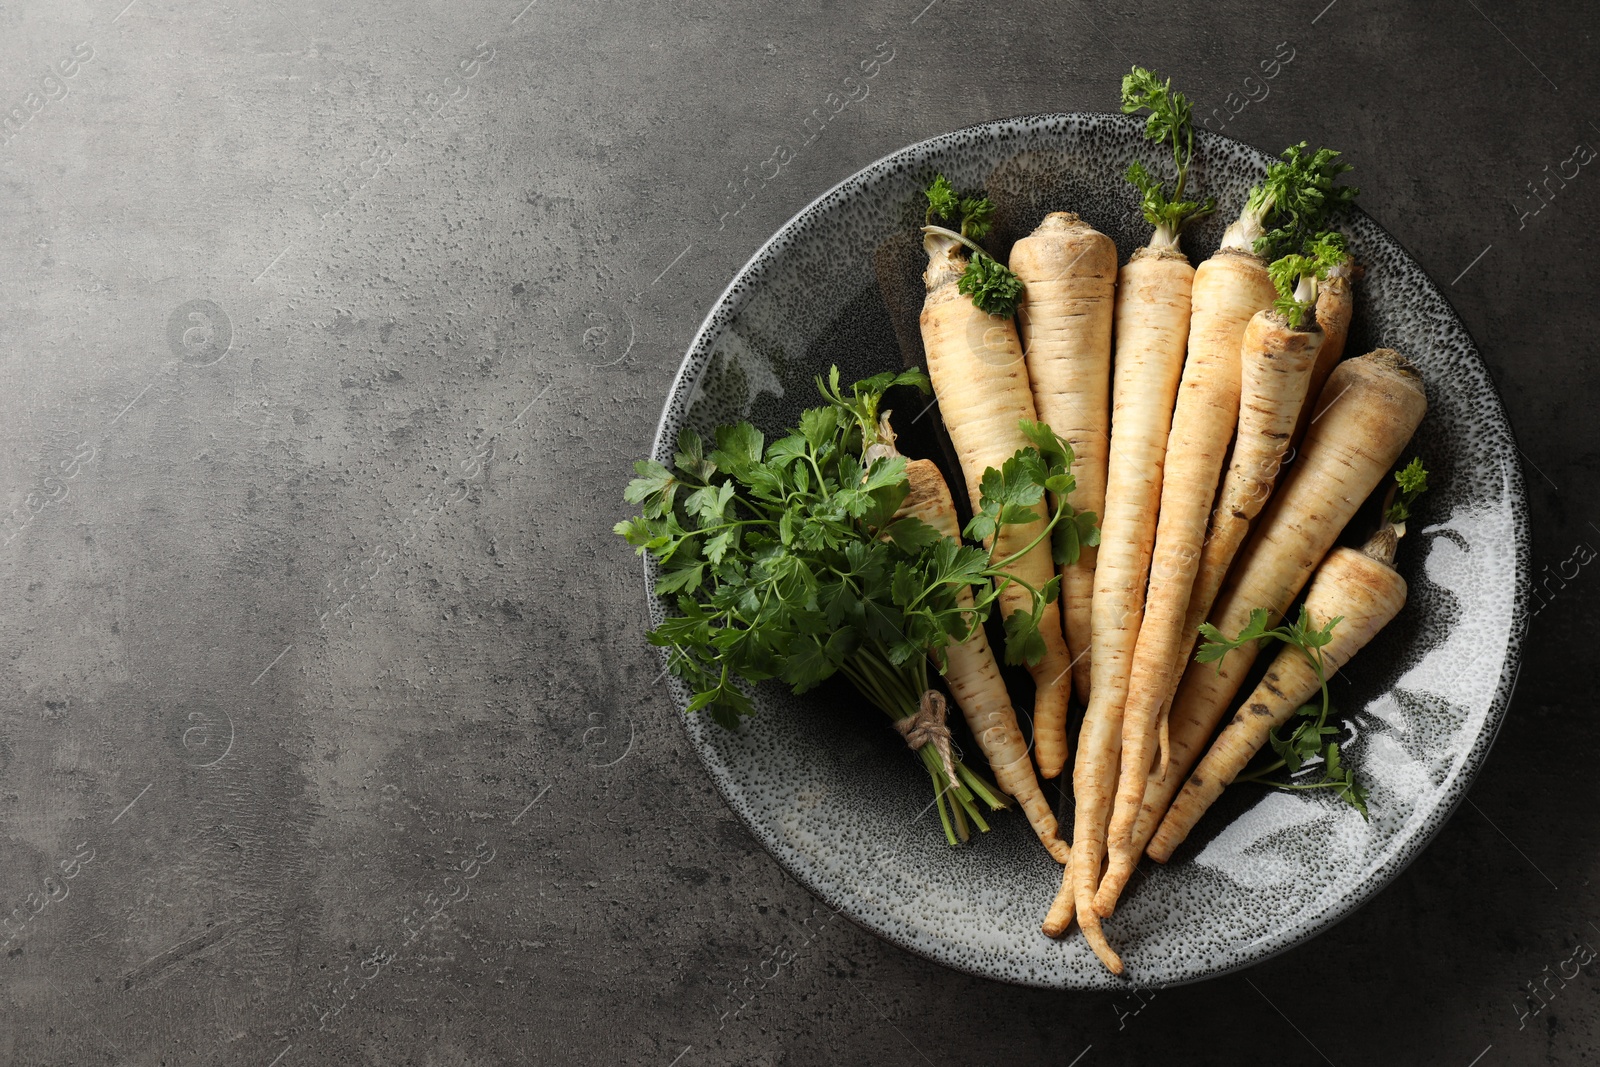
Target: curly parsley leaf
pixel 1411 481
pixel 992 286
pixel 943 203
pixel 1170 123
pixel 1295 276
pixel 1298 197
pixel 977 217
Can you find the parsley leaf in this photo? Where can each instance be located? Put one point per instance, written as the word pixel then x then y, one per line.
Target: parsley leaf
pixel 943 203
pixel 1411 481
pixel 1299 196
pixel 1311 739
pixel 1169 123
pixel 992 286
pixel 977 216
pixel 1295 276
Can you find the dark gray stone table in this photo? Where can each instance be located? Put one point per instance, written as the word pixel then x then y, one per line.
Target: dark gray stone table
pixel 329 731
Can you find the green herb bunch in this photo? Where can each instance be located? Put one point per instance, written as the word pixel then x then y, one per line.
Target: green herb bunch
pixel 990 283
pixel 786 560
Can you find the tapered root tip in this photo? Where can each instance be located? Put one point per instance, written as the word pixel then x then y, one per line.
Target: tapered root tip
pixel 1059 916
pixel 1097 941
pixel 1119 869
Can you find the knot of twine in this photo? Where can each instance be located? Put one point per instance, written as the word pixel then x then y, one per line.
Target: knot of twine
pixel 927 726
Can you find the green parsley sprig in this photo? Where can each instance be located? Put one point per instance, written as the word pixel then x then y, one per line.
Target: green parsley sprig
pixel 1311 736
pixel 1169 124
pixel 990 283
pixel 1295 276
pixel 786 560
pixel 1294 202
pixel 1411 481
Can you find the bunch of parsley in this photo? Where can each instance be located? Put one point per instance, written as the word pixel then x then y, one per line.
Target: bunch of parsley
pixel 785 560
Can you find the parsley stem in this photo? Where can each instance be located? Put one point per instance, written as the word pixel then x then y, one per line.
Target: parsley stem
pixel 977 249
pixel 1061 509
pixel 944 817
pixel 868 686
pixel 1256 776
pixel 990 795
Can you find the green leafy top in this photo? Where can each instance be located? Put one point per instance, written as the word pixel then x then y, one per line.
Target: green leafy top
pixel 866 396
pixel 786 560
pixel 973 214
pixel 1169 123
pixel 1297 198
pixel 1312 738
pixel 1411 481
pixel 990 283
pixel 1295 276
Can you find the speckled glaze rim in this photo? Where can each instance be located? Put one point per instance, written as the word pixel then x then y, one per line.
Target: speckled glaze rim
pixel 1496 433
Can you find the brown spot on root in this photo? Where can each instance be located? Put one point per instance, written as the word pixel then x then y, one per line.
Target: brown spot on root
pixel 1259 709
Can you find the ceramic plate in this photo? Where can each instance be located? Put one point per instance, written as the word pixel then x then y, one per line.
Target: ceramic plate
pixel 826 785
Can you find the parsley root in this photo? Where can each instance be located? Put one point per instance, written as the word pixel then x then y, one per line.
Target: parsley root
pixel 1366 413
pixel 1336 305
pixel 975 362
pixel 1069 276
pixel 1059 917
pixel 1151 325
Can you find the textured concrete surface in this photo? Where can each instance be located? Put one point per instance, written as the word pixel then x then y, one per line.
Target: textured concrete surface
pixel 327 728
